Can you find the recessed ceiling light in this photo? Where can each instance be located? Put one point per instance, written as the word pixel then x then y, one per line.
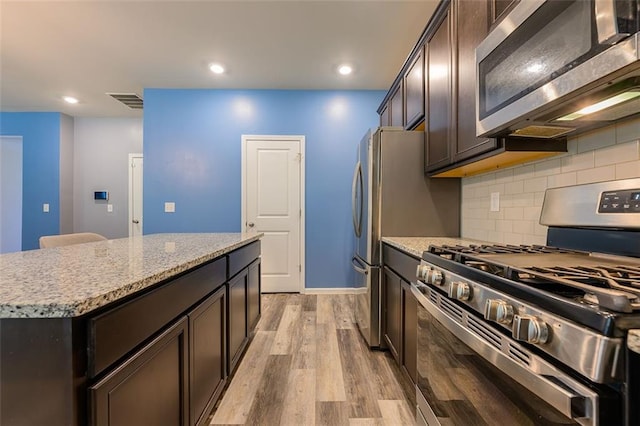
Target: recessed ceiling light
pixel 345 69
pixel 216 68
pixel 70 99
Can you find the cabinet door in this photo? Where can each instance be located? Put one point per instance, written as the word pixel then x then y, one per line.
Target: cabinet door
pixel 414 91
pixel 253 295
pixel 440 126
pixel 392 294
pixel 207 354
pixel 409 331
pixel 149 388
pixel 397 107
pixel 237 329
pixel 385 117
pixel 473 26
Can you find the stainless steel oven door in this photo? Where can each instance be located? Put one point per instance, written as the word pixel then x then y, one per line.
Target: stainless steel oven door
pixel 471 373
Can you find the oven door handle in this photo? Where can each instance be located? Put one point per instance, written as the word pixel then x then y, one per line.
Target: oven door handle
pixel 558 389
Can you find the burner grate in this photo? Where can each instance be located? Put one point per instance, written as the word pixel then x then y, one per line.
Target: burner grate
pixel 570 274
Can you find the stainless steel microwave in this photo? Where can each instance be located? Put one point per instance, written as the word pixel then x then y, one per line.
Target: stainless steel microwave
pixel 555 67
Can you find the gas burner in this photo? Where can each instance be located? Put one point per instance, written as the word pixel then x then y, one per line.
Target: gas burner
pixel 570 274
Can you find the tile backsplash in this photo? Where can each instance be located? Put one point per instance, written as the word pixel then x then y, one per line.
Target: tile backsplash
pixel 605 154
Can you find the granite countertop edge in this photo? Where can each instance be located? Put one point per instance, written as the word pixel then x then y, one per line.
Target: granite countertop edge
pixel 80 307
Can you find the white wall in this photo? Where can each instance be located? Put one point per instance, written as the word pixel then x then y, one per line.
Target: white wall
pixel 102 146
pixel 606 154
pixel 10 194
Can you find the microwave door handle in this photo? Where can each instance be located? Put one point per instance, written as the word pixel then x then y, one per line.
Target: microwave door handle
pixel 607 22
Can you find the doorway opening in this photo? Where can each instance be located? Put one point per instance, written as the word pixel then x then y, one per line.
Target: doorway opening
pixel 10 194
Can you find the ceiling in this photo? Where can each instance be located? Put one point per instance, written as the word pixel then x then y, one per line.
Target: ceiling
pixel 86 48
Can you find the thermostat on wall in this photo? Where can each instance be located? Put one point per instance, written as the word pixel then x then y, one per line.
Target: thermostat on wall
pixel 101 195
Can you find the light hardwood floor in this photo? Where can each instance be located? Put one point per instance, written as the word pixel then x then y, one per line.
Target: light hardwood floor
pixel 309 365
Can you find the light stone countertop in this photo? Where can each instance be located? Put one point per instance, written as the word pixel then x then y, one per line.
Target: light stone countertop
pixel 70 281
pixel 416 245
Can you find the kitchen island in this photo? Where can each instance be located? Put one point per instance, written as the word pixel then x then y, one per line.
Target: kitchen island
pixel 141 330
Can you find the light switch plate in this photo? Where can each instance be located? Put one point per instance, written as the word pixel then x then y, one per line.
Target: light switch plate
pixel 45 207
pixel 495 202
pixel 169 207
pixel 109 208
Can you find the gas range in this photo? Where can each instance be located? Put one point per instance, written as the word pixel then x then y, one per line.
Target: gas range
pixel 566 313
pixel 550 297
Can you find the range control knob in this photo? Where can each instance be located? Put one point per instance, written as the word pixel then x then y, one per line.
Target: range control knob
pixel 435 277
pixel 460 290
pixel 499 311
pixel 530 329
pixel 422 272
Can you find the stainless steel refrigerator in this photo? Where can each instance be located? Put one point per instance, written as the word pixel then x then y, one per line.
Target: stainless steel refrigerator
pixel 392 197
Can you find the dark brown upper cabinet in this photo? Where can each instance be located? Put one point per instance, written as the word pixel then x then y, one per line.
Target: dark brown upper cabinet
pixel 397 107
pixel 414 91
pixel 385 116
pixel 440 127
pixel 472 25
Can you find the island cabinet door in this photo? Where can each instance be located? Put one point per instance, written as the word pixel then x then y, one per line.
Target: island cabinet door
pixel 207 354
pixel 253 295
pixel 149 388
pixel 237 328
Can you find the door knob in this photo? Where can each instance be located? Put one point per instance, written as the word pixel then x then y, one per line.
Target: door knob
pixel 250 224
pixel 135 221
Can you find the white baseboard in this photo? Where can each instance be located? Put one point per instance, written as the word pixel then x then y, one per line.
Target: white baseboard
pixel 339 290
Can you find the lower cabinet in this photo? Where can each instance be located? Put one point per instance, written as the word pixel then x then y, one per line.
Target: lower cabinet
pixel 392 296
pixel 238 335
pixel 207 354
pixel 400 315
pixel 150 388
pixel 244 310
pixel 254 307
pixel 171 371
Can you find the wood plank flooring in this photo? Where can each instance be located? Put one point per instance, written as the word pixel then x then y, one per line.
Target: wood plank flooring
pixel 308 365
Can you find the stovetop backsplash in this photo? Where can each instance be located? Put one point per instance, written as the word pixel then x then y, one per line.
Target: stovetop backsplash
pixel 606 154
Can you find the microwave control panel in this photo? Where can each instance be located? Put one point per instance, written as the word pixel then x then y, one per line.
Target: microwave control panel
pixel 627 201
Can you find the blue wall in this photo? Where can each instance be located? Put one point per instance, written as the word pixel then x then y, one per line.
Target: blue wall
pixel 40 133
pixel 192 155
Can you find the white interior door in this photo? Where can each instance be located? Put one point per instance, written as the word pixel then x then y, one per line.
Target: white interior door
pixel 273 194
pixel 10 194
pixel 135 195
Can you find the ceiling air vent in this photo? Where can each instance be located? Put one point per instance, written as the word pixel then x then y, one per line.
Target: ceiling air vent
pixel 131 100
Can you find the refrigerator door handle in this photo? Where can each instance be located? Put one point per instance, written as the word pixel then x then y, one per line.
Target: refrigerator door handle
pixel 357 267
pixel 356 209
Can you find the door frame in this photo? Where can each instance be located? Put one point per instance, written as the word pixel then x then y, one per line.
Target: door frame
pixel 243 218
pixel 130 195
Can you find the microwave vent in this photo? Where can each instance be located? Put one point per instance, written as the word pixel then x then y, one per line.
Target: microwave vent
pixel 545 132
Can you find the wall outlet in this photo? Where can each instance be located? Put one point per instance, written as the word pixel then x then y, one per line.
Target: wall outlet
pixel 169 207
pixel 45 207
pixel 495 202
pixel 109 208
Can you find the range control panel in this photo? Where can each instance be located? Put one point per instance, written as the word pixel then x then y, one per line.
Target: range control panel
pixel 627 201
